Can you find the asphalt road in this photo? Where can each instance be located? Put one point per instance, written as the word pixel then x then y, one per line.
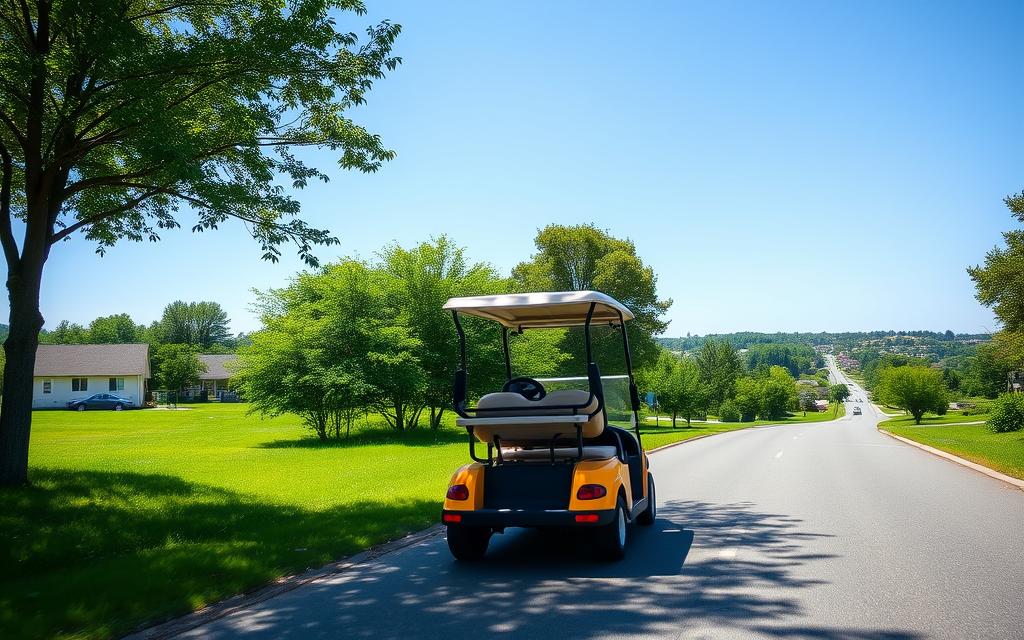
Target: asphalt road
pixel 827 530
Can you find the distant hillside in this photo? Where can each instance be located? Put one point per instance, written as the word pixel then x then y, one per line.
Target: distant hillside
pixel 930 344
pixel 3 331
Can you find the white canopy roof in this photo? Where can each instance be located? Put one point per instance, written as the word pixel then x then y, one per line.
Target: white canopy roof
pixel 543 309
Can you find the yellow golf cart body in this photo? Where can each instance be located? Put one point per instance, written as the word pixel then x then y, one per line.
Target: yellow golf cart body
pixel 553 458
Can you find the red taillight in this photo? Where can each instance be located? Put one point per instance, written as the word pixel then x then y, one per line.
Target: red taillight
pixel 452 517
pixel 586 517
pixel 591 492
pixel 458 492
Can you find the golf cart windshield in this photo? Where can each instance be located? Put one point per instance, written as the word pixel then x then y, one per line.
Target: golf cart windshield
pixel 528 411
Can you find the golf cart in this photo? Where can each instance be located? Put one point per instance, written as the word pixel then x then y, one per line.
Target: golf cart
pixel 552 457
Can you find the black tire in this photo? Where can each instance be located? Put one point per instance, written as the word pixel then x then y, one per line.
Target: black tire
pixel 648 515
pixel 468 543
pixel 118 407
pixel 611 538
pixel 79 407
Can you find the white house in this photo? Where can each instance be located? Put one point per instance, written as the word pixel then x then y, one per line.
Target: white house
pixel 66 372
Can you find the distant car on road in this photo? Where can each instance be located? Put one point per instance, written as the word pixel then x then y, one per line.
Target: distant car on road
pixel 856 411
pixel 101 401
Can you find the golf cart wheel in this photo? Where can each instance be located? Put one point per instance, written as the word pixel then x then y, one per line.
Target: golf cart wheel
pixel 647 516
pixel 611 538
pixel 468 543
pixel 80 407
pixel 118 407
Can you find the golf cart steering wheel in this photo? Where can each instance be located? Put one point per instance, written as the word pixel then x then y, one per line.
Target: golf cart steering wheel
pixel 526 387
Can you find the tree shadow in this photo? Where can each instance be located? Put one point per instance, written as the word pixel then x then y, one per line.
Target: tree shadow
pixel 98 553
pixel 673 583
pixel 422 437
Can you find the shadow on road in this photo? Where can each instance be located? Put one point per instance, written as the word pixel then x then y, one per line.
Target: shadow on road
pixel 679 579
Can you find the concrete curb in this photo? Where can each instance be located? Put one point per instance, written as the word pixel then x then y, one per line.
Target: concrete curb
pixel 992 473
pixel 181 624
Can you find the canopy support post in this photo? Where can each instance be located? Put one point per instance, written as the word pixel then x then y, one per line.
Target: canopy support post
pixel 508 355
pixel 634 394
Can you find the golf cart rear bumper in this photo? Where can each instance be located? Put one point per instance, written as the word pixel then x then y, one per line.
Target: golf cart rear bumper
pixel 500 518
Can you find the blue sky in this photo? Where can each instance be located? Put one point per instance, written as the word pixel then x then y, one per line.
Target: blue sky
pixel 783 166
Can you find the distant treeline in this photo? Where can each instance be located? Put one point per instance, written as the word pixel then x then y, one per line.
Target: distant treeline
pixel 745 339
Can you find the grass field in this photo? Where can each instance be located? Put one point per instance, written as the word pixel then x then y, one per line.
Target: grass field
pixel 1000 451
pixel 142 515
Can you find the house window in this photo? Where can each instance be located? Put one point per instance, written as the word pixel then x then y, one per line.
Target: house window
pixel 47 386
pixel 79 384
pixel 117 384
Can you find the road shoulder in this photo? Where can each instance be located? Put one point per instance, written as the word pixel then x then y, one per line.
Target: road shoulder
pixel 992 473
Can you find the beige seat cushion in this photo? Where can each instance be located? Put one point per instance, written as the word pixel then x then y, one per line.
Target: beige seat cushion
pixel 533 426
pixel 589 453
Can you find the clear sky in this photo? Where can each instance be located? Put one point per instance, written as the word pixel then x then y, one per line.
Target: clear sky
pixel 782 166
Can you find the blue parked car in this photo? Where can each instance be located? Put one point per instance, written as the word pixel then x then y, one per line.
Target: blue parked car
pixel 101 401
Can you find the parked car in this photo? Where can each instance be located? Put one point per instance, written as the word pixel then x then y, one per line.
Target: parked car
pixel 101 401
pixel 856 411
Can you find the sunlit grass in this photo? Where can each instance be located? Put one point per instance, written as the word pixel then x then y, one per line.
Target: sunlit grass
pixel 1003 452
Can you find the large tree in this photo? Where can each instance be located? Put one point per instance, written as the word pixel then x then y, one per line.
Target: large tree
pixel 419 281
pixel 1000 283
pixel 720 366
pixel 203 324
pixel 582 257
pixel 116 113
pixel 330 347
pixel 914 389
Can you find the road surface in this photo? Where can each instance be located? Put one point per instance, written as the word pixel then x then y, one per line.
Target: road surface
pixel 827 530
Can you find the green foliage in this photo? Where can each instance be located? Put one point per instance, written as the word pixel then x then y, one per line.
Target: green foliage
pixel 199 323
pixel 915 389
pixel 176 366
pixel 418 281
pixel 807 401
pixel 65 333
pixel 797 359
pixel 747 398
pixel 778 393
pixel 1007 413
pixel 838 393
pixel 677 384
pixel 332 344
pixel 729 412
pixel 582 257
pixel 189 103
pixel 1000 283
pixel 117 329
pixel 720 366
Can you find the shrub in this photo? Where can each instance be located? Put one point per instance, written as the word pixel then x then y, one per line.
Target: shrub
pixel 1007 413
pixel 729 412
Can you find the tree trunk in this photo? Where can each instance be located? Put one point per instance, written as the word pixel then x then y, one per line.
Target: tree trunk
pixel 23 286
pixel 673 419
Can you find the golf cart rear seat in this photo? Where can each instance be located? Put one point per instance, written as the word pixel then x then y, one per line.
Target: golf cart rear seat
pixel 513 418
pixel 561 453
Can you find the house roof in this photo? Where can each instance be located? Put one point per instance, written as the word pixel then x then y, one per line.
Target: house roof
pixel 218 367
pixel 92 360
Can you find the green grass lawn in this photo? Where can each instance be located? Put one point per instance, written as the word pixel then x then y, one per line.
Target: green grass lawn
pixel 138 516
pixel 930 419
pixel 1000 451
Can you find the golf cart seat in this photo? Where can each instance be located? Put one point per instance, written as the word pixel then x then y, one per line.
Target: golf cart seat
pixel 513 418
pixel 541 455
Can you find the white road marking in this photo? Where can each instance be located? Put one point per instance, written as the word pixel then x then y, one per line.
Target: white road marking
pixel 779 454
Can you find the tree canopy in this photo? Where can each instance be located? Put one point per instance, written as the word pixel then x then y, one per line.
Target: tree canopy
pixel 582 257
pixel 115 115
pixel 1000 283
pixel 914 389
